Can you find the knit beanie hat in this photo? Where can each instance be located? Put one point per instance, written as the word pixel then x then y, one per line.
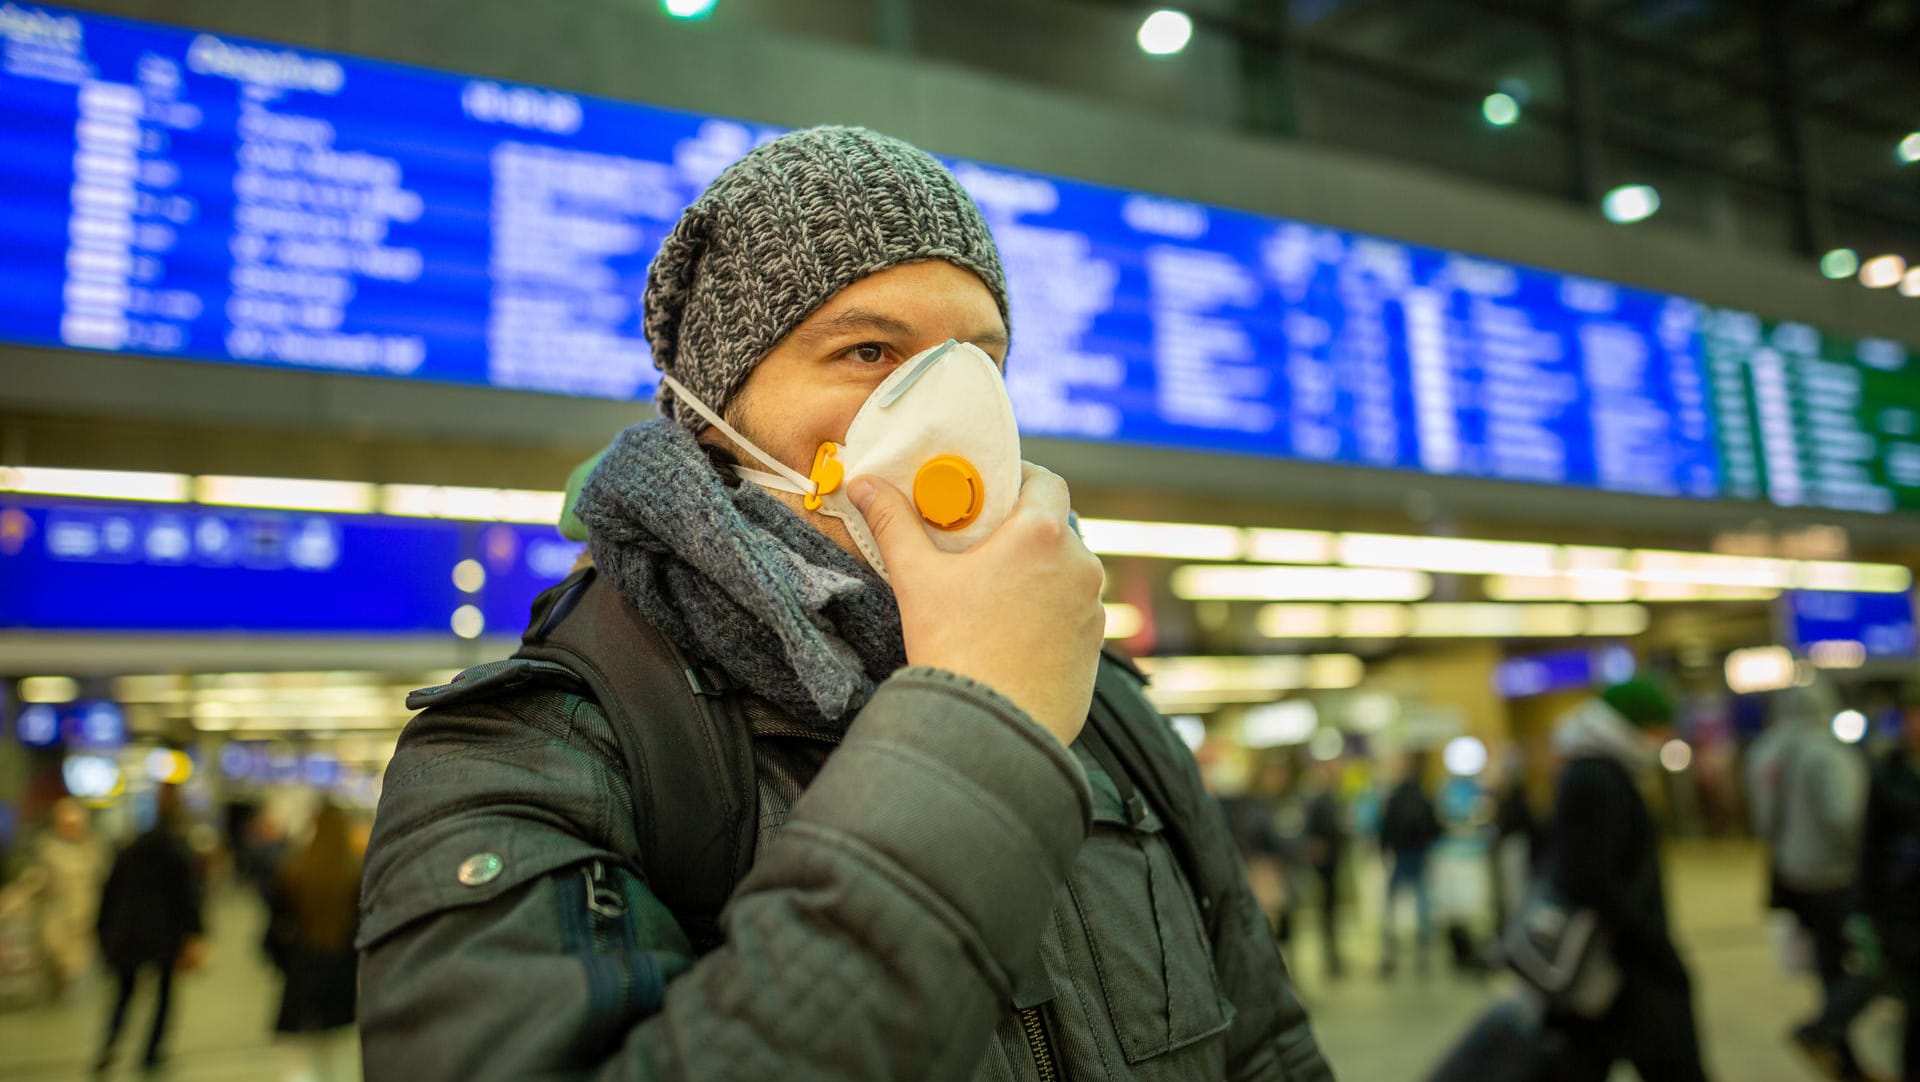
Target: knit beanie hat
pixel 784 229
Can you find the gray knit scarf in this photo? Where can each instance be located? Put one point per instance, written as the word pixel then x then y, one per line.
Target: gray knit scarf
pixel 737 579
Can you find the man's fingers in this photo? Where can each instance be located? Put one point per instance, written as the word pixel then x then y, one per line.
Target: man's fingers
pixel 1043 493
pixel 892 518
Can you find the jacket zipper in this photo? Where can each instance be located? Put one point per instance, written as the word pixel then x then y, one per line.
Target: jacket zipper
pixel 1036 1030
pixel 603 903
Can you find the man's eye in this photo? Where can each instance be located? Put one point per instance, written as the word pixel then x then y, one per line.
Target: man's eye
pixel 867 353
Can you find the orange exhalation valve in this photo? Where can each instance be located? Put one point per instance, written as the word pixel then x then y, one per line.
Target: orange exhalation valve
pixel 827 473
pixel 948 492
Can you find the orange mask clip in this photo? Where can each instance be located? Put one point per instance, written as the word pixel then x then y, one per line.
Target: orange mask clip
pixel 827 473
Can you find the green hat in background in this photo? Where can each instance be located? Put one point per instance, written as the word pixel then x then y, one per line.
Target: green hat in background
pixel 1640 702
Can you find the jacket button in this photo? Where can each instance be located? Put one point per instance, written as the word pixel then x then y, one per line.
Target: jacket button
pixel 480 869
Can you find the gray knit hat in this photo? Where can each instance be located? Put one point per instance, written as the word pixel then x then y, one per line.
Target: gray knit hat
pixel 784 229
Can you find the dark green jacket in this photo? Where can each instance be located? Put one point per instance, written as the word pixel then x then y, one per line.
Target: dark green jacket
pixel 953 890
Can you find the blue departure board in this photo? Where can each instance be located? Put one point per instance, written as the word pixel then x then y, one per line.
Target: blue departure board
pixel 86 565
pixel 174 193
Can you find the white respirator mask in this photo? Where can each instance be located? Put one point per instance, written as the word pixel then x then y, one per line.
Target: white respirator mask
pixel 940 428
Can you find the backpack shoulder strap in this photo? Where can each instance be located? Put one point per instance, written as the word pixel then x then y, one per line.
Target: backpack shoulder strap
pixel 1120 711
pixel 687 751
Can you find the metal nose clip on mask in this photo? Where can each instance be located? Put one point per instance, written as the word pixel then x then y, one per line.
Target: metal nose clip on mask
pixel 939 428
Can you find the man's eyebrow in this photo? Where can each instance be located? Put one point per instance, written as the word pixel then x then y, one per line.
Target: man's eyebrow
pixel 853 319
pixel 984 339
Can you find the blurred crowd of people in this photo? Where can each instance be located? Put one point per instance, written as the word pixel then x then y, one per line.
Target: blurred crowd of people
pixel 139 916
pixel 1503 887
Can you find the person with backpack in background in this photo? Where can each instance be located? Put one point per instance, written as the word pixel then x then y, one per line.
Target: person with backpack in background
pixel 1890 874
pixel 1808 797
pixel 1409 826
pixel 818 770
pixel 1602 857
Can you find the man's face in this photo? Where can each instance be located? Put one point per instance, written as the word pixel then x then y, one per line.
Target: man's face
pixel 808 388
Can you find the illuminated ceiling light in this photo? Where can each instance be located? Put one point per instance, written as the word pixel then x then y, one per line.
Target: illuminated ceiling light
pixel 689 9
pixel 1200 583
pixel 468 622
pixel 1711 569
pixel 1630 203
pixel 1375 621
pixel 1856 578
pixel 1500 109
pixel 469 576
pixel 1908 150
pixel 1290 546
pixel 1455 555
pixel 1465 756
pixel 1850 726
pixel 1297 621
pixel 49 689
pixel 1837 654
pixel 1910 283
pixel 1593 585
pixel 1676 755
pixel 1164 540
pixel 95 484
pixel 1883 272
pixel 477 504
pixel 1489 620
pixel 1760 668
pixel 282 493
pixel 1334 672
pixel 1840 263
pixel 1123 621
pixel 1616 621
pixel 1276 725
pixel 1267 674
pixel 1165 32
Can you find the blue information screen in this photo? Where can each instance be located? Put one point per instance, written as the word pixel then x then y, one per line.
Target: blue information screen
pixel 92 566
pixel 189 194
pixel 1883 624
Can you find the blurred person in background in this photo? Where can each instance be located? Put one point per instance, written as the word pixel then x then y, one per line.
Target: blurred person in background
pixel 69 868
pixel 1516 846
pixel 1808 793
pixel 1409 826
pixel 933 864
pixel 1326 852
pixel 316 902
pixel 1267 821
pixel 150 919
pixel 1602 854
pixel 1890 873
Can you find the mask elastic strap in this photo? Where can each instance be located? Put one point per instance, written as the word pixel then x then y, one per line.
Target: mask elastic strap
pixel 801 484
pixel 769 480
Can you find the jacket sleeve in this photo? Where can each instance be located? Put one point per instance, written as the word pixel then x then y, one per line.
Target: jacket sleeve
pixel 877 937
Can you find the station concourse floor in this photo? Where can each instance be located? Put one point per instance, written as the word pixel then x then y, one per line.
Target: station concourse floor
pixel 1373 1030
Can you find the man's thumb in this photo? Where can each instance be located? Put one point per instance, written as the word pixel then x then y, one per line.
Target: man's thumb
pixel 890 515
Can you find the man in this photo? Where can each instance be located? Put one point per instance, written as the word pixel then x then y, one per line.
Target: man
pixel 1326 851
pixel 1809 794
pixel 150 920
pixel 1890 874
pixel 926 899
pixel 1602 855
pixel 1408 828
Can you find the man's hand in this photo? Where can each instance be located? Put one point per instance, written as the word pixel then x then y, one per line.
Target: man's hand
pixel 1020 612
